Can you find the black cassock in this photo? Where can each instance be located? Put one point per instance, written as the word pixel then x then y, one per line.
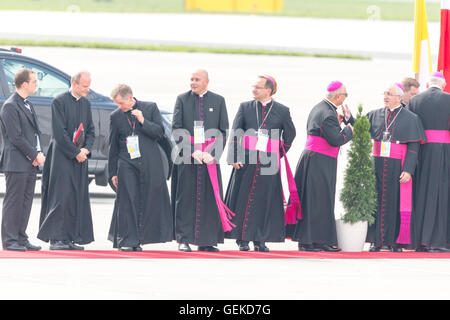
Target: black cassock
pixel 315 177
pixel 254 191
pixel 66 209
pixel 430 224
pixel 197 219
pixel 404 128
pixel 142 212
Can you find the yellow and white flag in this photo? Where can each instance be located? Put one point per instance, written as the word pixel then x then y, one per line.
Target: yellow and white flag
pixel 422 57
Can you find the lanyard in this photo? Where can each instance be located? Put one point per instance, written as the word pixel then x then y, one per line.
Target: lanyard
pixel 385 119
pixel 132 125
pixel 257 116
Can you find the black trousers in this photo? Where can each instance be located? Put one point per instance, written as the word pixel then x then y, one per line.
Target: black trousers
pixel 17 207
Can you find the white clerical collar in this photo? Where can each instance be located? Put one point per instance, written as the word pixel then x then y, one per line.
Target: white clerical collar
pixel 265 103
pixel 393 109
pixel 74 95
pixel 331 103
pixel 201 95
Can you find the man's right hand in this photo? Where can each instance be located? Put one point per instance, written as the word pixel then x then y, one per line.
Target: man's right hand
pixel 198 155
pixel 40 159
pixel 115 181
pixel 347 112
pixel 351 127
pixel 237 165
pixel 81 157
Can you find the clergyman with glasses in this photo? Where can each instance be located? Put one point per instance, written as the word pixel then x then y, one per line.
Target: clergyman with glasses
pixel 397 134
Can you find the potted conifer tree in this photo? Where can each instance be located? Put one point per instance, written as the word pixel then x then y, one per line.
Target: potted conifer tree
pixel 359 195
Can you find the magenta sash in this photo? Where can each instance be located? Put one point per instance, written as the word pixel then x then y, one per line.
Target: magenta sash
pixel 398 151
pixel 224 212
pixel 321 145
pixel 438 136
pixel 293 210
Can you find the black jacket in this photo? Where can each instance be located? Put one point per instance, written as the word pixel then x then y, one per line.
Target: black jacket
pixel 19 131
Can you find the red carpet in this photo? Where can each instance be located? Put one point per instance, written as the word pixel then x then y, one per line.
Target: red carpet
pixel 156 254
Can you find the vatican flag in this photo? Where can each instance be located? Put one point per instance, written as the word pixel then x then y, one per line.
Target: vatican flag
pixel 422 57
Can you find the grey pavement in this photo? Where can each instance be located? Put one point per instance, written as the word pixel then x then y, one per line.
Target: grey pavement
pixel 370 37
pixel 222 279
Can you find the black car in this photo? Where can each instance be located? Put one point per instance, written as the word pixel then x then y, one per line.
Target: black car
pixel 52 82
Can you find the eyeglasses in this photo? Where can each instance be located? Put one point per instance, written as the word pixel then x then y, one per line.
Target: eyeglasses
pixel 345 94
pixel 259 88
pixel 387 93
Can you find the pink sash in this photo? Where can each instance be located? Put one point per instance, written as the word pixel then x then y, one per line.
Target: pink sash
pixel 438 136
pixel 321 145
pixel 398 151
pixel 224 212
pixel 293 210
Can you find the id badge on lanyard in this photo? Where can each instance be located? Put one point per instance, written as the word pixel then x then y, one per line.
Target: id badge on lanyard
pixel 386 145
pixel 133 142
pixel 133 147
pixel 263 140
pixel 385 149
pixel 263 134
pixel 199 132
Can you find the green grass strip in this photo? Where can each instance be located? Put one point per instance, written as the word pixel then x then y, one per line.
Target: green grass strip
pixel 174 48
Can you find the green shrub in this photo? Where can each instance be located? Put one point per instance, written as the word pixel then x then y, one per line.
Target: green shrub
pixel 359 195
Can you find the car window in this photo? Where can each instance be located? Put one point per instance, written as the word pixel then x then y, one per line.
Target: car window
pixel 50 84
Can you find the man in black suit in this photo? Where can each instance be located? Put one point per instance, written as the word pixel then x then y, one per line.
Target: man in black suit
pixel 20 159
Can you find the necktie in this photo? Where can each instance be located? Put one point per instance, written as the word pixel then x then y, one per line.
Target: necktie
pixel 27 105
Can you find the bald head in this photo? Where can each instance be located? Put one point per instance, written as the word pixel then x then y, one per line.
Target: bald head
pixel 79 75
pixel 199 81
pixel 202 73
pixel 80 84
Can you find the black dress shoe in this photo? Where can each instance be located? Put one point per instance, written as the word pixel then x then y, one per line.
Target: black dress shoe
pixel 31 247
pixel 73 246
pixel 208 249
pixel 126 249
pixel 59 245
pixel 436 250
pixel 131 249
pixel 184 247
pixel 328 248
pixel 16 247
pixel 260 246
pixel 308 247
pixel 243 246
pixel 396 249
pixel 374 248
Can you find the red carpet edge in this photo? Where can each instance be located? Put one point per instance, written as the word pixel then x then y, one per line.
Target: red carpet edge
pixel 160 254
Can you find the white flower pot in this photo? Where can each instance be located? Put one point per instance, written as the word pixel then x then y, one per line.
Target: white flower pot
pixel 351 237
